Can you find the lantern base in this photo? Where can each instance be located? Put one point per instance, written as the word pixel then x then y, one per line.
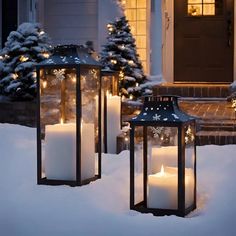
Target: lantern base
pixel 72 183
pixel 140 207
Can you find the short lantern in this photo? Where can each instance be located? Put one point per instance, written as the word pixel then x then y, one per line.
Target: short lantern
pixel 162 159
pixel 111 110
pixel 69 121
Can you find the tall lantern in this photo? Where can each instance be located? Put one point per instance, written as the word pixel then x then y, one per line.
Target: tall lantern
pixel 111 110
pixel 69 120
pixel 162 159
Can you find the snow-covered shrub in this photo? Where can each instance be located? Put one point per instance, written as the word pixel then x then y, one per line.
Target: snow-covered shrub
pixel 24 48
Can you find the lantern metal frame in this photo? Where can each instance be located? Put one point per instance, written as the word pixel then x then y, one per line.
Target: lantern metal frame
pixel 114 89
pixel 79 59
pixel 180 124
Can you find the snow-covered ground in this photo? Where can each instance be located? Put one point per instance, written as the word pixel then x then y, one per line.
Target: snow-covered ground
pixel 101 208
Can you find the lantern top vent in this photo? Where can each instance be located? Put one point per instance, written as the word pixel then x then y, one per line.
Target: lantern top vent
pixel 162 109
pixel 70 55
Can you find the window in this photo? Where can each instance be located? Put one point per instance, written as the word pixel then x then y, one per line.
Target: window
pixel 205 7
pixel 136 14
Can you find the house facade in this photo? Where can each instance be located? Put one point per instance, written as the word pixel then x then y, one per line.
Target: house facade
pixel 187 41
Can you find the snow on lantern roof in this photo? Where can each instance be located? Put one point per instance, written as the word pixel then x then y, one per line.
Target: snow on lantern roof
pixel 162 109
pixel 69 55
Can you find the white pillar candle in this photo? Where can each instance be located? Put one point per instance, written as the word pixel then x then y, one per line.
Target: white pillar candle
pixel 167 156
pixel 60 151
pixel 87 150
pixel 163 191
pixel 113 121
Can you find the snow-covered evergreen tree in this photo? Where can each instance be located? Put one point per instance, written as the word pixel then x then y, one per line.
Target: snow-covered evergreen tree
pixel 120 54
pixel 24 48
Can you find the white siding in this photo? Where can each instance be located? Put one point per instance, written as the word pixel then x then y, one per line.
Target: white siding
pixel 71 21
pixel 156 38
pixel 108 11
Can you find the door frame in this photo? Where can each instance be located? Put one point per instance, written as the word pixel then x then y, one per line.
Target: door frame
pixel 168 41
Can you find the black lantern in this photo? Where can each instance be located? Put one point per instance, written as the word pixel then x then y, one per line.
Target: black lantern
pixel 162 159
pixel 69 121
pixel 111 110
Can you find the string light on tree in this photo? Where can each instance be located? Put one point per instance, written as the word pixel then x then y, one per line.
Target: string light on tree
pixel 113 61
pixel 46 55
pixel 121 45
pixel 41 32
pixel 24 58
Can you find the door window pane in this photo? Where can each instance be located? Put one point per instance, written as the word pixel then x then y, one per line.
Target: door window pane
pixel 205 7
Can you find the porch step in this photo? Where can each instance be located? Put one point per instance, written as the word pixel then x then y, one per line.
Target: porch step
pixel 215 138
pixel 193 90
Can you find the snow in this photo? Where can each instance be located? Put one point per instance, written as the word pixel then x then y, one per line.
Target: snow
pixel 101 208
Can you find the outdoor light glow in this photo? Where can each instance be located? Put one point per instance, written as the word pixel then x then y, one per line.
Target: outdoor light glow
pixel 131 97
pixel 136 85
pixel 41 32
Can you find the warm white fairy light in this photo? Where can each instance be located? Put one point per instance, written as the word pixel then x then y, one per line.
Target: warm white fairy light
pixel 121 75
pixel 41 32
pixel 110 27
pixel 45 54
pixel 14 76
pixel 113 61
pixel 1 57
pixel 131 62
pixel 136 84
pixel 24 58
pixel 131 97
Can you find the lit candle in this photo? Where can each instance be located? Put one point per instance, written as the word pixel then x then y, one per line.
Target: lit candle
pixel 113 121
pixel 87 150
pixel 60 151
pixel 163 191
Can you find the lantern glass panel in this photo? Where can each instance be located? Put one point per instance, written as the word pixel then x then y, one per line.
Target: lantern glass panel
pixel 90 87
pixel 162 169
pixel 138 165
pixel 110 85
pixel 58 123
pixel 189 165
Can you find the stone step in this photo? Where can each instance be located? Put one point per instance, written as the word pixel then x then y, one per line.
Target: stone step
pixel 215 138
pixel 193 90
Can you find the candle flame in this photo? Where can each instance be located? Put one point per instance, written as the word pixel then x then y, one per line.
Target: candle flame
pixel 162 171
pixel 61 121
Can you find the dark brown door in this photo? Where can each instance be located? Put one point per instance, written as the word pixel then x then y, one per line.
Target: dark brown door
pixel 203 41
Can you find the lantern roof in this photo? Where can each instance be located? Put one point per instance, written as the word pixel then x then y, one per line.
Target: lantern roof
pixel 69 55
pixel 162 109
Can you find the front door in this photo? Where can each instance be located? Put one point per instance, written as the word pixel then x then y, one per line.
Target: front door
pixel 203 41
